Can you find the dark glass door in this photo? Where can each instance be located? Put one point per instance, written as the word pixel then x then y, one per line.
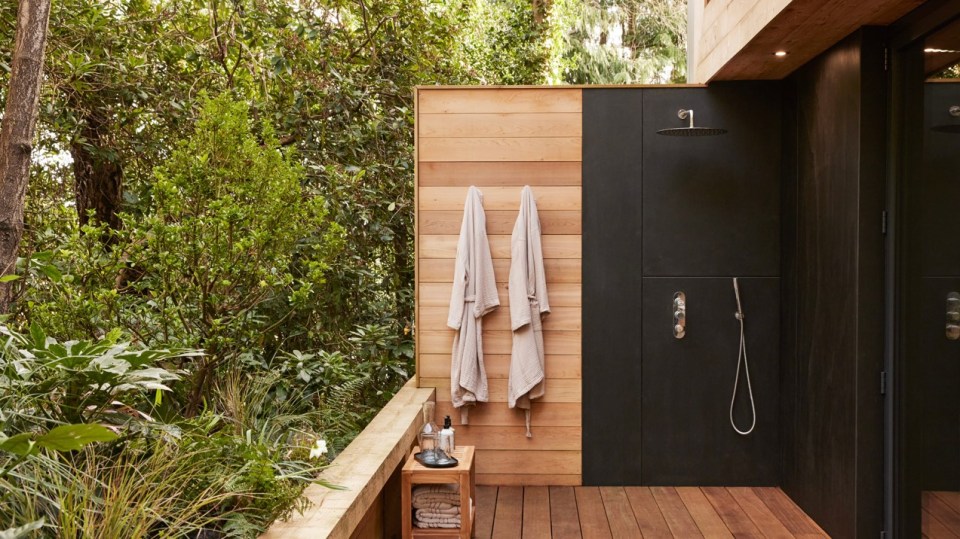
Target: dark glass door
pixel 927 459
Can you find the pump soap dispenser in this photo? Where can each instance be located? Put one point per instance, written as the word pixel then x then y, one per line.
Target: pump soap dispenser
pixel 446 436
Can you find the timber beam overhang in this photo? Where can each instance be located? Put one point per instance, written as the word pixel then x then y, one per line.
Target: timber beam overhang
pixel 738 39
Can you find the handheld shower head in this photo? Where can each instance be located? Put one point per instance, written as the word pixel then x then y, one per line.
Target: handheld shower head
pixel 736 292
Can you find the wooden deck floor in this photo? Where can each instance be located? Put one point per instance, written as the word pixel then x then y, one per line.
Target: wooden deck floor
pixel 634 512
pixel 941 514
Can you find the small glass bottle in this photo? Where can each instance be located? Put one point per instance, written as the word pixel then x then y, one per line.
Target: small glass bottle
pixel 427 438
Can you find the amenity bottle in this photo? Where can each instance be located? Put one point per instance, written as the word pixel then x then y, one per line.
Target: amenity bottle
pixel 446 436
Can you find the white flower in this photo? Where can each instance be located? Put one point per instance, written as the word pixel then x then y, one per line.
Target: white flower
pixel 319 450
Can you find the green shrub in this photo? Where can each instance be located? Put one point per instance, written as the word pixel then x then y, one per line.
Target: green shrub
pixel 228 472
pixel 44 382
pixel 231 234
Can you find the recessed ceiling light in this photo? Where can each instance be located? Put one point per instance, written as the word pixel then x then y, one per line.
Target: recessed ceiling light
pixel 780 54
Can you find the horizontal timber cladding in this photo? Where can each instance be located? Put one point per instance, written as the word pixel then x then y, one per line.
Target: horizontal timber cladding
pixel 503 173
pixel 438 295
pixel 500 222
pixel 549 198
pixel 560 319
pixel 500 139
pixel 558 365
pixel 560 270
pixel 559 246
pixel 500 342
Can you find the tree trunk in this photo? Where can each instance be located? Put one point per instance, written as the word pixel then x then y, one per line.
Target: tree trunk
pixel 539 11
pixel 98 177
pixel 17 131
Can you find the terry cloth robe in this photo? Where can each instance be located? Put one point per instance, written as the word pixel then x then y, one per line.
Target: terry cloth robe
pixel 528 303
pixel 474 295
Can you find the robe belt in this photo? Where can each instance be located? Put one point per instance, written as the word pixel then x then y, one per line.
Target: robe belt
pixel 465 409
pixel 527 412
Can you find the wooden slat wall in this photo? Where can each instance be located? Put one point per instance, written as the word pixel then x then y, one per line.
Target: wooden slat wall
pixel 501 139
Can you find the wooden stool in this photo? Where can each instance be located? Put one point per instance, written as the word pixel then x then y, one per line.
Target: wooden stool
pixel 463 474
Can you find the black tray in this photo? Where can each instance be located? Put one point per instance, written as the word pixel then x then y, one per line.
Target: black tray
pixel 450 463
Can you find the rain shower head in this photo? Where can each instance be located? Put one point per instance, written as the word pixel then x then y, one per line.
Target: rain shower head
pixel 949 128
pixel 691 130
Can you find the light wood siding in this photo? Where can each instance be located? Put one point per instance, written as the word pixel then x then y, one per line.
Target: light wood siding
pixel 501 139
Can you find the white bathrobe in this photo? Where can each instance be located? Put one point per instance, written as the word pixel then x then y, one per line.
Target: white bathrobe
pixel 528 303
pixel 474 295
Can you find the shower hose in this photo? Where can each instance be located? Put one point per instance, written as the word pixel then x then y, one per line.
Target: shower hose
pixel 742 359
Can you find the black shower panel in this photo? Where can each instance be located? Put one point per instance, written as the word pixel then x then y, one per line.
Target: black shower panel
pixel 667 214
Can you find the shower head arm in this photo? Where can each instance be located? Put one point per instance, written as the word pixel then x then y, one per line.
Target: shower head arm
pixel 690 130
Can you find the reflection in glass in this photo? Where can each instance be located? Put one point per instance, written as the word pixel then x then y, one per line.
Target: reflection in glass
pixel 935 352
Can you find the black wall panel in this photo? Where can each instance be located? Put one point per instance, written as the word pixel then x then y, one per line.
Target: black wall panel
pixel 935 361
pixel 612 174
pixel 664 214
pixel 832 408
pixel 688 383
pixel 939 190
pixel 712 204
pixel 938 367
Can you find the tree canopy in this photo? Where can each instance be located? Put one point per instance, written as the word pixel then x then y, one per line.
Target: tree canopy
pixel 233 180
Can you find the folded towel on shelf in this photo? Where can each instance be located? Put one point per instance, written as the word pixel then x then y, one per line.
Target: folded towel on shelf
pixel 418 504
pixel 452 499
pixel 424 494
pixel 437 506
pixel 444 488
pixel 452 525
pixel 433 514
pixel 446 522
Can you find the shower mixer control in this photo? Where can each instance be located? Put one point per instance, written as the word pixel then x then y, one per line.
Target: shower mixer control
pixel 679 315
pixel 953 316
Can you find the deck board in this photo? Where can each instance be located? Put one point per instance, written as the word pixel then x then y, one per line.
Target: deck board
pixel 593 518
pixel 619 513
pixel 941 511
pixel 486 508
pixel 536 512
pixel 950 498
pixel 675 513
pixel 564 512
pixel 792 517
pixel 703 513
pixel 647 512
pixel 940 518
pixel 564 520
pixel 933 528
pixel 508 522
pixel 731 513
pixel 759 513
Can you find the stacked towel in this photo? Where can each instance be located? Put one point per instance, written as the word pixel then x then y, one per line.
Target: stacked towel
pixel 436 506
